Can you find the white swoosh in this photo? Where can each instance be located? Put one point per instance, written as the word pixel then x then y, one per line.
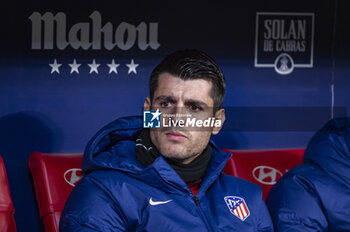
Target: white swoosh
pixel 151 202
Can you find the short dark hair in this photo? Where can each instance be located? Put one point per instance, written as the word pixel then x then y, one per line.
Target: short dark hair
pixel 190 65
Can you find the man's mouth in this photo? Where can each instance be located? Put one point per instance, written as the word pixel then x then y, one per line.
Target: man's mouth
pixel 175 135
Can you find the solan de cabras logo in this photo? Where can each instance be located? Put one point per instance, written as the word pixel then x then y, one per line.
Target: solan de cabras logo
pixel 284 41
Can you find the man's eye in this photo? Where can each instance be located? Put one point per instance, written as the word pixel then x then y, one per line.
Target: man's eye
pixel 165 104
pixel 195 108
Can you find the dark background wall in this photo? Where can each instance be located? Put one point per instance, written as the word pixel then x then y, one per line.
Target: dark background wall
pixel 59 112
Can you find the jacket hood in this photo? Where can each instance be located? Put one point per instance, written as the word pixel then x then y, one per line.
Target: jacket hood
pixel 329 148
pixel 115 137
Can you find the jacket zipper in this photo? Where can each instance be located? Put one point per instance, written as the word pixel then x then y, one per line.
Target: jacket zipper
pixel 198 206
pixel 201 213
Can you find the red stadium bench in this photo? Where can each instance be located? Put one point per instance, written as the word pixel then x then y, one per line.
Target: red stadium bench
pixel 7 220
pixel 263 167
pixel 54 177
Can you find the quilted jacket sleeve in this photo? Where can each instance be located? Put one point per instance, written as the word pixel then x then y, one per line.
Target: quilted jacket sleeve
pixel 90 209
pixel 294 206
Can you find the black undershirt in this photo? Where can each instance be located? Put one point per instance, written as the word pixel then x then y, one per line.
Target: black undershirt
pixel 146 153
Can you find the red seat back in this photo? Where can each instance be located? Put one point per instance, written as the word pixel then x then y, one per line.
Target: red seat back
pixel 54 177
pixel 7 220
pixel 263 167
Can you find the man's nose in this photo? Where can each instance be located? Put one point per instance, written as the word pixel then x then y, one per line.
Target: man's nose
pixel 180 111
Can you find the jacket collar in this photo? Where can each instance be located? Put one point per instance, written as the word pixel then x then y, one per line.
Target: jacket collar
pixel 113 147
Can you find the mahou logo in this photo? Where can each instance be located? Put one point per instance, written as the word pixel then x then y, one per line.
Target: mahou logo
pixel 73 176
pixel 50 31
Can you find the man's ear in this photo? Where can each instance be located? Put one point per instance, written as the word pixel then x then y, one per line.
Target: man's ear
pixel 147 104
pixel 219 116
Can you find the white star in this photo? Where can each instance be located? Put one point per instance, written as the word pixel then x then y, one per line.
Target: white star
pixel 132 67
pixel 74 67
pixel 55 67
pixel 93 67
pixel 156 115
pixel 113 67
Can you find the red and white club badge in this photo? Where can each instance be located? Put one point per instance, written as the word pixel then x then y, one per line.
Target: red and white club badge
pixel 237 207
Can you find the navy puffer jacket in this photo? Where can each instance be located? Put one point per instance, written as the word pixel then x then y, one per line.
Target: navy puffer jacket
pixel 119 194
pixel 315 196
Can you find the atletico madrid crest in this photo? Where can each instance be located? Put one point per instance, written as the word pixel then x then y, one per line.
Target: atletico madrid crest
pixel 237 207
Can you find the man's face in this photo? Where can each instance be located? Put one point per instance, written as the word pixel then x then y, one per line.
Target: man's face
pixel 176 96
